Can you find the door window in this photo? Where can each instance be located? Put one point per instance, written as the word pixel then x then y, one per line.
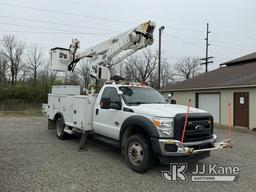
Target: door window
pixel 111 93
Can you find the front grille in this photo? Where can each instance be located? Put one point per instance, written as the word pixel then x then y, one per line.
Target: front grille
pixel 199 126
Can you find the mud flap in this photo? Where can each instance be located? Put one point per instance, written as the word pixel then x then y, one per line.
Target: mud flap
pixel 51 124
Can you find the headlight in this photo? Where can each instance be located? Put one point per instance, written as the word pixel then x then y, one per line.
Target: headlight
pixel 164 126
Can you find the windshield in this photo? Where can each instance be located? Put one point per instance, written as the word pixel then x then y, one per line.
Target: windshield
pixel 141 95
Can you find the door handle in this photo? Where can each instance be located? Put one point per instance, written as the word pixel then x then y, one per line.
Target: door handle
pixel 97 111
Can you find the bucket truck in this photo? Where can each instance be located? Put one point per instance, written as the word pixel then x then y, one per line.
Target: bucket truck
pixel 134 117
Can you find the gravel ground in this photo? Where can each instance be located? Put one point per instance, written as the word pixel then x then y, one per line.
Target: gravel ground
pixel 33 159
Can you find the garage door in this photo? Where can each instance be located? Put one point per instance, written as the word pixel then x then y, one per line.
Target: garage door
pixel 210 103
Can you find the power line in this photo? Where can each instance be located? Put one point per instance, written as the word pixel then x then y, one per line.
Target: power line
pixel 72 32
pixel 57 23
pixel 235 36
pixel 100 18
pixel 141 13
pixel 64 32
pixel 235 44
pixel 230 47
pixel 83 26
pixel 53 30
pixel 230 27
pixel 45 32
pixel 128 12
pixel 182 39
pixel 29 43
pixel 87 26
pixel 72 25
pixel 65 13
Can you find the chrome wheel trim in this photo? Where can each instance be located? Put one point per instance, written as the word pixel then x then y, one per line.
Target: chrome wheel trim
pixel 135 153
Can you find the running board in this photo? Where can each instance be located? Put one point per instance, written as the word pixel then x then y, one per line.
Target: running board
pixel 107 140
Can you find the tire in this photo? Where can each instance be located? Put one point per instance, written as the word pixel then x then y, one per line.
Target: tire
pixel 60 125
pixel 138 154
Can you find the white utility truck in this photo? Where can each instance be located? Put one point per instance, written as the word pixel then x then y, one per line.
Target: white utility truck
pixel 134 117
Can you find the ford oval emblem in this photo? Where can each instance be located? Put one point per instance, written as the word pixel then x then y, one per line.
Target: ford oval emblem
pixel 199 127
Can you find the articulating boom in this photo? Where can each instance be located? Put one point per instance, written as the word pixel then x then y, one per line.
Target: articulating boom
pixel 106 54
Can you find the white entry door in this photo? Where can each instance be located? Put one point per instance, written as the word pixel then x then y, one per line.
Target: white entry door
pixel 211 103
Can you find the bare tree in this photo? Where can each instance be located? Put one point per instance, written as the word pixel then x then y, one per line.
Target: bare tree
pixel 167 74
pixel 140 68
pixel 130 69
pixel 3 70
pixel 34 61
pixel 46 75
pixel 13 52
pixel 84 73
pixel 24 73
pixel 120 69
pixel 51 75
pixel 73 77
pixel 187 67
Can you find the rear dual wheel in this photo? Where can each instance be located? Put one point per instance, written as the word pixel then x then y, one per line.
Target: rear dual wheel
pixel 60 125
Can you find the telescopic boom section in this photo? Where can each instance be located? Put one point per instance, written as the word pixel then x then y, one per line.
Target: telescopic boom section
pixel 108 53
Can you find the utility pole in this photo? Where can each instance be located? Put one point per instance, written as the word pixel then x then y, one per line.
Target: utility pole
pixel 159 57
pixel 207 58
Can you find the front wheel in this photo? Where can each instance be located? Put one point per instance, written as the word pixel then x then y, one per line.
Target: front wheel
pixel 60 125
pixel 138 154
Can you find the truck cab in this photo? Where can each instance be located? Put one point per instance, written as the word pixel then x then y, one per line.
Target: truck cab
pixel 122 111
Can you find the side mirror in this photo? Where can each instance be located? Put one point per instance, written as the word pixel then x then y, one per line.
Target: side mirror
pixel 170 95
pixel 120 92
pixel 173 101
pixel 105 103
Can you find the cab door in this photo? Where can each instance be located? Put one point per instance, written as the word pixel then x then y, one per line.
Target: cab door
pixel 107 122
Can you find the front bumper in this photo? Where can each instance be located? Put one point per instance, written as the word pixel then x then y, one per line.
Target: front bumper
pixel 190 148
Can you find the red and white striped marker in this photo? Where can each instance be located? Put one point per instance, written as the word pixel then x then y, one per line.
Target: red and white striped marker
pixel 229 122
pixel 185 123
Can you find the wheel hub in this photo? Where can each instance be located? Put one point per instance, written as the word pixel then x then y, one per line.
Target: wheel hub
pixel 135 154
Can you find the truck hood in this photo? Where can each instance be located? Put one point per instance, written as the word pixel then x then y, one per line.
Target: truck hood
pixel 163 110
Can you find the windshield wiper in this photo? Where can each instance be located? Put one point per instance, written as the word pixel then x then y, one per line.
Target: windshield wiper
pixel 137 102
pixel 159 102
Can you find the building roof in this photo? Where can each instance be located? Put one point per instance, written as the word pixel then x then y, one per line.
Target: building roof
pixel 244 59
pixel 242 75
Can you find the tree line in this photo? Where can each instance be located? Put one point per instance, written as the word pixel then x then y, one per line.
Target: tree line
pixel 25 72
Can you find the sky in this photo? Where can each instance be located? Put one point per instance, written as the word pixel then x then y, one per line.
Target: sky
pixel 52 23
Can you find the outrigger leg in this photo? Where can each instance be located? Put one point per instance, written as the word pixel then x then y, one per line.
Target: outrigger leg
pixel 83 140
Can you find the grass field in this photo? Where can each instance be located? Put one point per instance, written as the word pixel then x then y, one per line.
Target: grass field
pixel 19 108
pixel 20 113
